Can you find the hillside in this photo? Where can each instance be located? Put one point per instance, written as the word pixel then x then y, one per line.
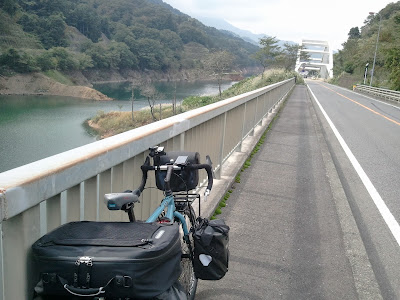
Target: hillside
pixel 108 35
pixel 359 49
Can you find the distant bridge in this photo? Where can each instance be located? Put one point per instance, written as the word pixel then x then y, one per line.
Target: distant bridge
pixel 320 58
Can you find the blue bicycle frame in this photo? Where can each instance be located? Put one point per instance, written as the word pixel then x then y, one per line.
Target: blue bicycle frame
pixel 169 204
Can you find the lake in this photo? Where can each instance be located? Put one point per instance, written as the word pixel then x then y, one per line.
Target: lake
pixel 35 127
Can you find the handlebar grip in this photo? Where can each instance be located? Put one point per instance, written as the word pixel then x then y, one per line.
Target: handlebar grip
pixel 209 171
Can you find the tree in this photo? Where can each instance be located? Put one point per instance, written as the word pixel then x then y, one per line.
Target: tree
pixel 190 33
pixel 64 58
pixel 125 59
pixel 46 61
pixel 100 56
pixel 171 40
pixel 354 33
pixel 52 31
pixel 150 92
pixel 268 52
pixel 10 6
pixel 392 53
pixel 218 64
pixel 84 61
pixel 150 53
pixel 18 60
pixel 287 59
pixel 392 62
pixel 86 20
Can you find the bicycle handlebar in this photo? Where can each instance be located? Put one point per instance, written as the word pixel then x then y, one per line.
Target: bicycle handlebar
pixel 147 167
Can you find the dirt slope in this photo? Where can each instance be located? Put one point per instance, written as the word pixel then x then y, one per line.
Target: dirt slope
pixel 39 84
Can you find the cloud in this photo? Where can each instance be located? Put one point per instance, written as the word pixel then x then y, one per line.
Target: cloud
pixel 288 19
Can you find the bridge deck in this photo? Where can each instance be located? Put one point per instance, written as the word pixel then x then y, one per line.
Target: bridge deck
pixel 288 236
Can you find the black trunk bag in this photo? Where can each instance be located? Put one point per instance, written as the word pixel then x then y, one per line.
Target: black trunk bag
pixel 126 260
pixel 211 252
pixel 181 180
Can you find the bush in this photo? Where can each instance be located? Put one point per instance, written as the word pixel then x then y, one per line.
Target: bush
pixel 18 60
pixel 197 101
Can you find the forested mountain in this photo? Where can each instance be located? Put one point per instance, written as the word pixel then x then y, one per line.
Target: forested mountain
pixel 39 35
pixel 359 49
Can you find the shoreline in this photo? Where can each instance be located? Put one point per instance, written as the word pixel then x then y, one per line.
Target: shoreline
pixel 37 84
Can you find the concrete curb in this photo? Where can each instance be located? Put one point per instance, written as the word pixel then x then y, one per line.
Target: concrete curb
pixel 364 277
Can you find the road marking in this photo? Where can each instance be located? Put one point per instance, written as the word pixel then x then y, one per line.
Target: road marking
pixel 387 216
pixel 368 97
pixel 362 105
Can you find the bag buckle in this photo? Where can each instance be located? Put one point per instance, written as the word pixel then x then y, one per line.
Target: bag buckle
pixel 123 281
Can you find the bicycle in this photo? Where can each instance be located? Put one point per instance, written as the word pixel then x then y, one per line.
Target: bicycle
pixel 122 260
pixel 175 207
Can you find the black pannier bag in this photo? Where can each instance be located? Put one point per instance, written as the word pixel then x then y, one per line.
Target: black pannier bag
pixel 181 180
pixel 211 252
pixel 108 259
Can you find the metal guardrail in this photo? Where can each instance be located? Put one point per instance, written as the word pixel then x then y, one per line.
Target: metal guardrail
pixel 378 92
pixel 38 197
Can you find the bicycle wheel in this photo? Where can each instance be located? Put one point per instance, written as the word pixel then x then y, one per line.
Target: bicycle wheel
pixel 188 279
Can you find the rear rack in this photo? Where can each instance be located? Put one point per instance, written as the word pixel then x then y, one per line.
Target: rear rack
pixel 182 199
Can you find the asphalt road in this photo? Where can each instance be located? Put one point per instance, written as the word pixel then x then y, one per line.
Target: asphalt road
pixel 293 234
pixel 369 172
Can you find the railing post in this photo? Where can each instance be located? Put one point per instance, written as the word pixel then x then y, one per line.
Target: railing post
pixel 104 188
pixel 256 121
pixel 182 141
pixel 243 127
pixel 218 174
pixel 73 203
pixel 117 186
pixel 265 108
pixel 53 212
pixel 90 199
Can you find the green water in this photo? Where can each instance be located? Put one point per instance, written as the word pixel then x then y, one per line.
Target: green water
pixel 35 127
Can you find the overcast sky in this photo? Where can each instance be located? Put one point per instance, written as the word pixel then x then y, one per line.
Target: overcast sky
pixel 290 20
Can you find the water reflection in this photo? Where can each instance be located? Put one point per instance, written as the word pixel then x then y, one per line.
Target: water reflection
pixel 167 90
pixel 35 127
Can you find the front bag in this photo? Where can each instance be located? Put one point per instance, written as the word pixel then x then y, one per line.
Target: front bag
pixel 211 252
pixel 181 180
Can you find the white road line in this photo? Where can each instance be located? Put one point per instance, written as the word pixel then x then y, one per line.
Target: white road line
pixel 380 204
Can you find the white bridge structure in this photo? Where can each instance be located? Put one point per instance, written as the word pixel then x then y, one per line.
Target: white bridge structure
pixel 315 55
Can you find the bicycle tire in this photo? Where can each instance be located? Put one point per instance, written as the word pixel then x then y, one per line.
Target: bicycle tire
pixel 187 278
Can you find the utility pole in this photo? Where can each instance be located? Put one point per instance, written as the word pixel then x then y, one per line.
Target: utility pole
pixel 376 46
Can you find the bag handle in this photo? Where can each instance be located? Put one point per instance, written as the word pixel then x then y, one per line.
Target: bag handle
pixel 84 292
pixel 90 292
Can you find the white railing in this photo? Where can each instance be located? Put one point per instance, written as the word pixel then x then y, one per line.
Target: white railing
pixel 40 196
pixel 378 92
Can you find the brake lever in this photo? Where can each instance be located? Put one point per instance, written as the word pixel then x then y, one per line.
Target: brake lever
pixel 206 194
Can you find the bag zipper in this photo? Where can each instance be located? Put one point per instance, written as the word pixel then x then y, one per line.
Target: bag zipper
pixel 92 260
